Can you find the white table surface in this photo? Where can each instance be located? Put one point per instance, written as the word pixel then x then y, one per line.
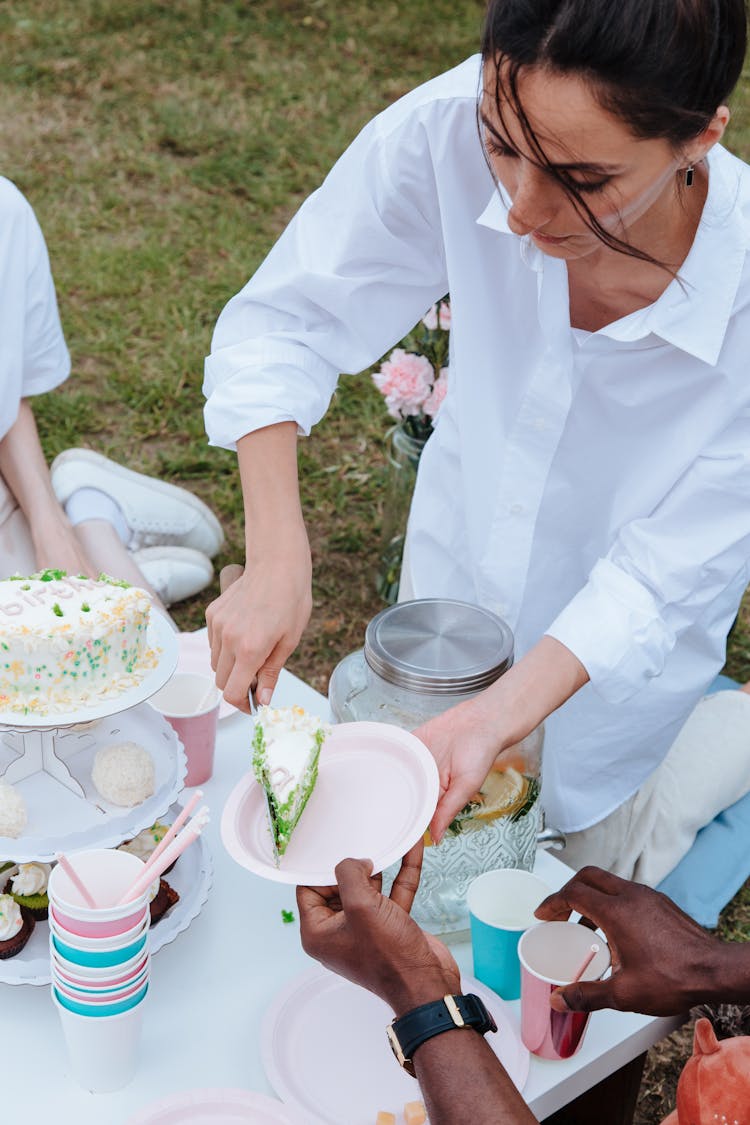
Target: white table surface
pixel 211 986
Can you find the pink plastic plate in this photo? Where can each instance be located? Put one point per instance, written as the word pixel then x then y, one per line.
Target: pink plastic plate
pixel 345 1079
pixel 216 1107
pixel 195 659
pixel 376 791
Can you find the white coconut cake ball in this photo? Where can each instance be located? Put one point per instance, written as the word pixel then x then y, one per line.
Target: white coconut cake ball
pixel 124 773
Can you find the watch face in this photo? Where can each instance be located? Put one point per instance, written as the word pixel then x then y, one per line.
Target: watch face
pixel 395 1045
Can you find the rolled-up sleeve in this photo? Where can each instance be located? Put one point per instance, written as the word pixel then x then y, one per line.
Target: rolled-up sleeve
pixel 664 572
pixel 355 269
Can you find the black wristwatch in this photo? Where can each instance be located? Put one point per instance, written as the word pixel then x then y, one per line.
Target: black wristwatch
pixel 410 1031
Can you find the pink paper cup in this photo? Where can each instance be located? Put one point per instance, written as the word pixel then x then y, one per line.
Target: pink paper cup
pixel 551 954
pixel 87 984
pixel 81 996
pixel 107 874
pixel 190 704
pixel 80 928
pixel 117 941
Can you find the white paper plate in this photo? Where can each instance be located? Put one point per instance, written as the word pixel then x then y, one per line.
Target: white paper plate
pixel 161 636
pixel 191 877
pixel 216 1107
pixel 325 1051
pixel 61 820
pixel 376 792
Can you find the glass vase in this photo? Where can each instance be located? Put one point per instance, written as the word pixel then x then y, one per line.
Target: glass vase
pixel 404 452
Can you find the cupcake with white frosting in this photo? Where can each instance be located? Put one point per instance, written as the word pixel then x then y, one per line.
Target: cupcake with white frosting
pixel 16 927
pixel 28 886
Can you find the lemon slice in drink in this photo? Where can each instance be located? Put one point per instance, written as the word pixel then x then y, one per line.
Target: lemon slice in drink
pixel 503 793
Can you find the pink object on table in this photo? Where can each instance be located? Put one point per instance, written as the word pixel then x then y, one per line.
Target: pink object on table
pixel 181 842
pixel 76 927
pixel 172 831
pixel 190 704
pixel 76 881
pixel 101 943
pixel 93 998
pixel 75 980
pixel 376 791
pixel 551 954
pixel 217 1107
pixel 343 1079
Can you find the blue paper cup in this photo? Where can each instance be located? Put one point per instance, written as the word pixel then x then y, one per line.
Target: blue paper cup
pixel 501 906
pixel 94 959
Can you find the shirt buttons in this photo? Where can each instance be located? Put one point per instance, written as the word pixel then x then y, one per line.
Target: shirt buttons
pixel 540 424
pixel 516 509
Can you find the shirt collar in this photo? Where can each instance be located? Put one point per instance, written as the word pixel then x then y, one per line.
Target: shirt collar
pixel 694 310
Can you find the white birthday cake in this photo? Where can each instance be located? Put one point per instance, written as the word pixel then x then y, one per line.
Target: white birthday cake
pixel 69 641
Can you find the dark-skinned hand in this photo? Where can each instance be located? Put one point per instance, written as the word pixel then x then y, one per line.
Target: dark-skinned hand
pixel 661 958
pixel 371 939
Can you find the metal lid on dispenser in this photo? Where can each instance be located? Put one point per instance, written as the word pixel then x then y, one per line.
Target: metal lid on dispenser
pixel 438 646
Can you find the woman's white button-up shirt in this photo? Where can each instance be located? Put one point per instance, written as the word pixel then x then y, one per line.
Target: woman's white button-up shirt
pixel 594 489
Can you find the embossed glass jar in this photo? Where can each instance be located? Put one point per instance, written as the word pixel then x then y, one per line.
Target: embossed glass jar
pixel 420 658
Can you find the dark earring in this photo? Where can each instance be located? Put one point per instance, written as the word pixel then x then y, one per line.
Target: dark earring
pixel 689 174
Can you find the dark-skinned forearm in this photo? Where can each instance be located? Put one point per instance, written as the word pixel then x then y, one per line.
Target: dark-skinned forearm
pixel 462 1080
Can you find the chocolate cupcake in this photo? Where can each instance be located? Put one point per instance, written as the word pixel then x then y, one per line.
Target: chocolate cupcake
pixel 163 900
pixel 16 927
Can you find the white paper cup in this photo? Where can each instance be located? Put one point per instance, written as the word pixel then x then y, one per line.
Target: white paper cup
pixel 107 874
pixel 103 1053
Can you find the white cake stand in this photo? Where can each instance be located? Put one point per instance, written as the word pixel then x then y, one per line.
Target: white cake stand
pixel 32 744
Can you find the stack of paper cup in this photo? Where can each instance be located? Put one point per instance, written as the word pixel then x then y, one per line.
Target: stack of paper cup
pixel 100 966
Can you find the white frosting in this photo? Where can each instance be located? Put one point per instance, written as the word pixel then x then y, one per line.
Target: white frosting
pixel 124 773
pixel 13 814
pixel 69 641
pixel 32 878
pixel 145 842
pixel 289 737
pixel 11 919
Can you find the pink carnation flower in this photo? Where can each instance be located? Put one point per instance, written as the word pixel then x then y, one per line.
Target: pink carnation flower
pixel 434 401
pixel 405 379
pixel 438 317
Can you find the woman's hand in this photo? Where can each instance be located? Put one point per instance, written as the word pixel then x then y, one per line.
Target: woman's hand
pixel 370 939
pixel 466 739
pixel 257 622
pixel 464 742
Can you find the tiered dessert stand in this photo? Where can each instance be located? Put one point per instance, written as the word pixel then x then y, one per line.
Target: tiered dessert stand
pixel 49 758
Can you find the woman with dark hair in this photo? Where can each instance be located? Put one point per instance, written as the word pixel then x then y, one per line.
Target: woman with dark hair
pixel 589 475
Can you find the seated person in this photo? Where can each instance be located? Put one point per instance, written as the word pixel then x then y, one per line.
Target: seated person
pixel 89 515
pixel 663 968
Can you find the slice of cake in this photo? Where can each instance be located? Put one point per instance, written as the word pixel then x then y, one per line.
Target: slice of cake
pixel 286 748
pixel 68 641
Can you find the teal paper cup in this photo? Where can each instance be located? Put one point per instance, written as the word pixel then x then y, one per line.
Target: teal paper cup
pixel 501 906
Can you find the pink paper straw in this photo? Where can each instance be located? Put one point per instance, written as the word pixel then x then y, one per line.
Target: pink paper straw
pixel 76 881
pixel 586 962
pixel 175 849
pixel 170 834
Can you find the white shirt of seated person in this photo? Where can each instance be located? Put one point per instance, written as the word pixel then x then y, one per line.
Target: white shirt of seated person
pixel 33 354
pixel 594 488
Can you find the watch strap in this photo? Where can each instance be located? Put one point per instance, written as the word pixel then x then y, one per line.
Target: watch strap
pixel 410 1031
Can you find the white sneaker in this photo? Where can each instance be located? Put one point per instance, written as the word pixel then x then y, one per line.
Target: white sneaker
pixel 174 573
pixel 157 512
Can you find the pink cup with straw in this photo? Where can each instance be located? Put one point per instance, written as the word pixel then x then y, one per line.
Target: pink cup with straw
pixel 553 954
pixel 190 704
